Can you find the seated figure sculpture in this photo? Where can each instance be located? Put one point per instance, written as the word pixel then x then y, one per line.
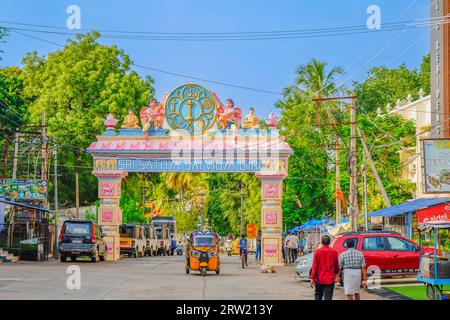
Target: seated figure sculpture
pixel 229 117
pixel 251 120
pixel 152 117
pixel 130 121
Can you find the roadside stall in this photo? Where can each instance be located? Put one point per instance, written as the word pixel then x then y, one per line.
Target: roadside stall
pixel 310 234
pixel 434 269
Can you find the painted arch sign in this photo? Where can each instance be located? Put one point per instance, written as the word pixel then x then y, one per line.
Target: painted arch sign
pixel 192 131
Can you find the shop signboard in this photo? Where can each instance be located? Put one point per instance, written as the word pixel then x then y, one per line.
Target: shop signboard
pixel 437 213
pixel 436 165
pixel 23 189
pixel 252 230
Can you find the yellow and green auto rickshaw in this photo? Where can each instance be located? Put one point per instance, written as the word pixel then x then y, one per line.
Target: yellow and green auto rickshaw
pixel 203 253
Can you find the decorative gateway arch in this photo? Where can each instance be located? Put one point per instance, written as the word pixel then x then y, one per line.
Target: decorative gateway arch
pixel 192 131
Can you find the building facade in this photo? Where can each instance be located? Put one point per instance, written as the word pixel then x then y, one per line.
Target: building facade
pixel 419 111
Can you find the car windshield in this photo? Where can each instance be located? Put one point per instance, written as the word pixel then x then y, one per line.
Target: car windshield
pixel 79 229
pixel 158 232
pixel 203 241
pixel 126 231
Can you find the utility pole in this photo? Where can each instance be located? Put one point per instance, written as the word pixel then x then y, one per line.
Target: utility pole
pixel 55 187
pixel 338 191
pixel 366 217
pixel 5 154
pixel 242 209
pixel 16 153
pixel 353 208
pixel 14 177
pixel 353 174
pixel 44 153
pixel 374 170
pixel 77 195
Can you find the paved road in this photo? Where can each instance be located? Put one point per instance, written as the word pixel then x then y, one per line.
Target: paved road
pixel 152 278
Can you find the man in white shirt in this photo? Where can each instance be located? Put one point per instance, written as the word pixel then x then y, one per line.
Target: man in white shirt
pixel 294 246
pixel 288 248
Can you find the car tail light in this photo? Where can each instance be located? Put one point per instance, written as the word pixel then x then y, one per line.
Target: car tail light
pixel 61 233
pixel 94 239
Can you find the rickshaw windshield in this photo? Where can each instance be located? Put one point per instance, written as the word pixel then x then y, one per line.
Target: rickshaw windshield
pixel 204 241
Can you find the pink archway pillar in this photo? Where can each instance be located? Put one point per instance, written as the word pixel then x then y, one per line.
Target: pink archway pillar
pixel 110 214
pixel 271 218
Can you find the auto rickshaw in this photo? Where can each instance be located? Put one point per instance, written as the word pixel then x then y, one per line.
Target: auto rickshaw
pixel 203 252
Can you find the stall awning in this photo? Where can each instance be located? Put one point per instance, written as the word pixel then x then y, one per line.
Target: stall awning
pixel 409 206
pixel 24 205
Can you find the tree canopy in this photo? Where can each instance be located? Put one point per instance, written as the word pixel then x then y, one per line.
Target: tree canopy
pixel 77 87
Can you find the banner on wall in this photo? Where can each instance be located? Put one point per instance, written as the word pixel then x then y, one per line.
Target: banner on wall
pixel 436 165
pixel 23 189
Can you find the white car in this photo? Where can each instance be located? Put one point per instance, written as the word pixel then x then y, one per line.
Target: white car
pixel 303 266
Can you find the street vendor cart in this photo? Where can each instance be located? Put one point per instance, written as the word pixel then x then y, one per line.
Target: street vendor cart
pixel 434 269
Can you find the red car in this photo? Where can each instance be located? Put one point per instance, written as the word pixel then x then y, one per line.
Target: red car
pixel 393 253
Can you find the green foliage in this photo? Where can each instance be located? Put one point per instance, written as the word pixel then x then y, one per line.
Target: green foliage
pixel 130 200
pixel 314 78
pixel 3 34
pixel 77 87
pixel 384 86
pixel 91 216
pixel 310 186
pixel 13 109
pixel 225 201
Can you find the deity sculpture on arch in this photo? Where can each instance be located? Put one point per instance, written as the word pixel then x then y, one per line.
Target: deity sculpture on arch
pixel 251 120
pixel 228 116
pixel 130 121
pixel 152 117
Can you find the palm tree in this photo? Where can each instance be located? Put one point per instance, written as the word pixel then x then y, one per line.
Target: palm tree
pixel 315 79
pixel 180 181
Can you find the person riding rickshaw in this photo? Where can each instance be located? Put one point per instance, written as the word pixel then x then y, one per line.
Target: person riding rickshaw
pixel 203 253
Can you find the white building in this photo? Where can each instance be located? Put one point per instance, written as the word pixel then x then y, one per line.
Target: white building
pixel 420 112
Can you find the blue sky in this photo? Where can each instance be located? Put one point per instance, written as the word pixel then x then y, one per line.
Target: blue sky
pixel 267 65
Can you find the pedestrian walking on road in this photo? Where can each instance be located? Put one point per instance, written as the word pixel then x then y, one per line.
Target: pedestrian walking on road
pixel 287 246
pixel 258 246
pixel 353 265
pixel 324 270
pixel 243 248
pixel 294 246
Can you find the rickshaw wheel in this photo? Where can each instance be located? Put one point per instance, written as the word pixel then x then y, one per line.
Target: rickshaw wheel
pixel 203 271
pixel 187 270
pixel 218 271
pixel 430 292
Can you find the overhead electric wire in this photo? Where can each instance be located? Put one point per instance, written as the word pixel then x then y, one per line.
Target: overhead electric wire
pixel 178 74
pixel 382 36
pixel 263 35
pixel 121 37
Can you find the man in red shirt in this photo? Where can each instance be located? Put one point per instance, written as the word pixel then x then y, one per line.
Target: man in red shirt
pixel 324 270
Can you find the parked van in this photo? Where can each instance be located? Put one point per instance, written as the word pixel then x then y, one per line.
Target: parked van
pixel 151 248
pixel 81 238
pixel 163 240
pixel 166 231
pixel 132 240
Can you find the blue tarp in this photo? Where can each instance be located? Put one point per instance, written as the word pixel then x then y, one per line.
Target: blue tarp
pixel 307 225
pixel 409 206
pixel 313 223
